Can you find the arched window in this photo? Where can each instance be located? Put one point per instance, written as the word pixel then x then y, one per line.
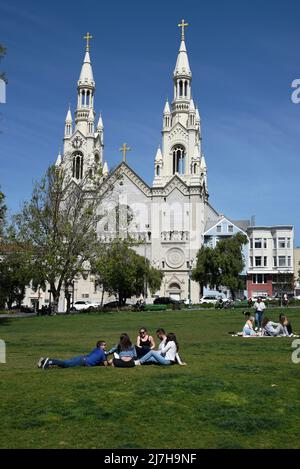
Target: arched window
pixel 88 98
pixel 180 88
pixel 179 159
pixel 97 158
pixel 78 165
pixel 157 170
pixel 185 88
pixel 83 98
pixel 195 168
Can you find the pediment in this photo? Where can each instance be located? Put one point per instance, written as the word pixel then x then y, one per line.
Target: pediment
pixel 179 132
pixel 121 170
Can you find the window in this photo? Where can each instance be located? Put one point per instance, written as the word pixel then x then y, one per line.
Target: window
pixel 259 279
pixel 274 243
pixel 251 243
pixel 265 243
pixel 179 159
pixel 185 88
pixel 251 261
pixel 281 243
pixel 230 228
pixel 288 242
pixel 157 170
pixel 289 261
pixel 163 264
pixel 258 261
pixel 257 243
pixel 265 261
pixel 219 229
pixel 180 88
pixel 282 261
pixel 78 165
pixel 274 261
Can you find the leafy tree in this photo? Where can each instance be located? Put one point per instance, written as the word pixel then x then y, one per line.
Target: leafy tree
pixel 123 272
pixel 15 274
pixel 231 262
pixel 206 271
pixel 3 210
pixel 222 265
pixel 58 225
pixel 2 54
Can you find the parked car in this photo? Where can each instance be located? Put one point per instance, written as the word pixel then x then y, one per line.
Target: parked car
pixel 83 305
pixel 111 304
pixel 166 300
pixel 209 299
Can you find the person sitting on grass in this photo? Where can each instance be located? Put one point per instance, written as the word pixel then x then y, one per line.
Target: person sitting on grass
pixel 94 358
pixel 144 343
pixel 248 329
pixel 273 329
pixel 165 356
pixel 283 320
pixel 124 352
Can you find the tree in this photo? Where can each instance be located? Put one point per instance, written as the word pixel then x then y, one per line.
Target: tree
pixel 58 225
pixel 123 272
pixel 15 275
pixel 221 266
pixel 3 210
pixel 206 271
pixel 231 262
pixel 2 54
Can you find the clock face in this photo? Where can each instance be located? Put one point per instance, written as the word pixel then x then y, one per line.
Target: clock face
pixel 77 142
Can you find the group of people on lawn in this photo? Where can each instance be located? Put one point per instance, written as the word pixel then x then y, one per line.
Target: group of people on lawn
pixel 263 326
pixel 125 354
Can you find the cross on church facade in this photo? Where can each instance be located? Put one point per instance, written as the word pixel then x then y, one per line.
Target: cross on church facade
pixel 182 25
pixel 124 149
pixel 88 37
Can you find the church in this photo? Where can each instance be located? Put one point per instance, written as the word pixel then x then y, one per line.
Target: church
pixel 172 218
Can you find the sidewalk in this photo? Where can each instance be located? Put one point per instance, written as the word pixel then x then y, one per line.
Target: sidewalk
pixel 17 315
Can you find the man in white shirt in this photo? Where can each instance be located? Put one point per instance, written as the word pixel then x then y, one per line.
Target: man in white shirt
pixel 259 307
pixel 162 336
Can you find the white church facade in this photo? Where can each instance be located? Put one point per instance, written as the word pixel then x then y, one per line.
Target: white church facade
pixel 172 216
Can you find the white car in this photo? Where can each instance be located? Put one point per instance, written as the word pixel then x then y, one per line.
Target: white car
pixel 83 305
pixel 208 299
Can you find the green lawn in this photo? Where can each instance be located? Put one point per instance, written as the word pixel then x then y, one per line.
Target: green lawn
pixel 234 393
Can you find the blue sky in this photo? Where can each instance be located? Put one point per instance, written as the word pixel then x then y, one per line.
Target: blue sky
pixel 244 56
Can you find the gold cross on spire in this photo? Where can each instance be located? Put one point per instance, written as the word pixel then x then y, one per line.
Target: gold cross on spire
pixel 124 149
pixel 182 25
pixel 88 37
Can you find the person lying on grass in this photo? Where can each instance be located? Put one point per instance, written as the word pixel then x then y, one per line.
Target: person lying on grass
pixel 124 352
pixel 95 358
pixel 273 329
pixel 165 356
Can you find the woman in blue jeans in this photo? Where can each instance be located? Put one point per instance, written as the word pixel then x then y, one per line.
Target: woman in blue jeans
pixel 165 356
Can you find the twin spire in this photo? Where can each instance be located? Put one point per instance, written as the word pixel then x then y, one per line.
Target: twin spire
pixel 182 67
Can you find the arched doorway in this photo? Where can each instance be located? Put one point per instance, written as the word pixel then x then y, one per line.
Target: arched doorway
pixel 175 291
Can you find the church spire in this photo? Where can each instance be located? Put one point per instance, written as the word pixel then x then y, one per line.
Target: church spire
pixel 85 91
pixel 68 124
pixel 181 131
pixel 182 73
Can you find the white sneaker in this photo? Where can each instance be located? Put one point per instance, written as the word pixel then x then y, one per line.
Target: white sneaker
pixel 40 362
pixel 137 362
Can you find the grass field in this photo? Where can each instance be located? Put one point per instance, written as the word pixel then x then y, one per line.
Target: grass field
pixel 234 393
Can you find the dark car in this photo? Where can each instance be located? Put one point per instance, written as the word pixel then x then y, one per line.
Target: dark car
pixel 167 300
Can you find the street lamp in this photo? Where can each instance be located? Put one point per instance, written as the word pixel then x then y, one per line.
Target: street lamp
pixel 189 286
